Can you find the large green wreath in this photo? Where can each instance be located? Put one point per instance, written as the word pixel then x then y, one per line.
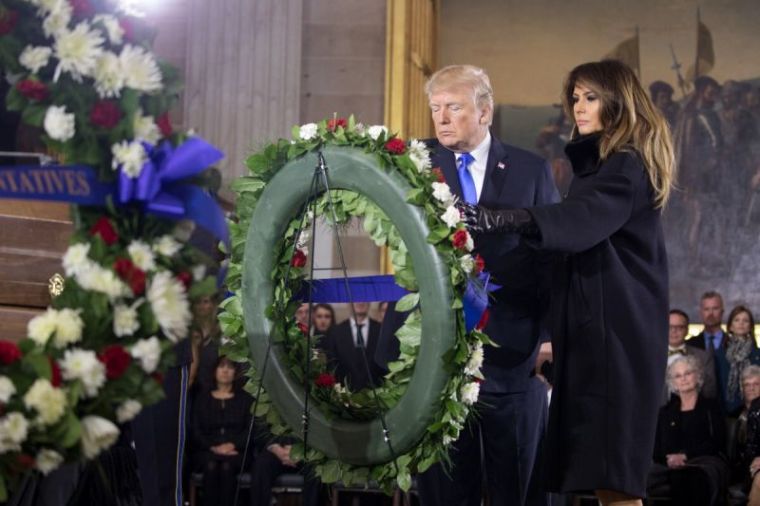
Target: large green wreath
pixel 405 205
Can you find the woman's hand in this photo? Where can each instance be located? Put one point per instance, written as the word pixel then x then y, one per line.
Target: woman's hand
pixel 481 220
pixel 675 460
pixel 754 467
pixel 282 453
pixel 224 449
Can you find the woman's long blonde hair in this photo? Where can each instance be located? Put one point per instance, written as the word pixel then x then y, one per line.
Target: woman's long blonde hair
pixel 629 119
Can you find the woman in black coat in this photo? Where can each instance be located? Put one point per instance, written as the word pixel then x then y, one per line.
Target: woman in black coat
pixel 610 288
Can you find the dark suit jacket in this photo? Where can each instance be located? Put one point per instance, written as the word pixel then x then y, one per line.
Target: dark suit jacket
pixel 514 179
pixel 347 359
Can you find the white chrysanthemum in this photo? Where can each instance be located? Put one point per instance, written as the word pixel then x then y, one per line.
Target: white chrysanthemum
pixel 475 362
pixel 47 460
pixel 470 244
pixel 442 193
pixel 419 155
pixel 59 124
pixel 183 230
pixel 101 280
pixel 470 392
pixel 125 319
pixel 148 353
pixel 57 20
pixel 41 327
pixel 145 128
pixel 308 131
pixel 199 272
pixel 68 327
pixel 83 365
pixel 467 263
pixel 167 246
pixel 142 255
pixel 7 389
pixel 77 51
pixel 451 217
pixel 48 401
pixel 46 6
pixel 169 303
pixel 140 69
pixel 113 29
pixel 130 156
pixel 109 76
pixel 375 131
pixel 76 259
pixel 127 410
pixel 98 434
pixel 13 430
pixel 34 58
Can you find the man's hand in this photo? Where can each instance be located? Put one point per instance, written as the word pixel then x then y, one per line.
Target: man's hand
pixel 224 449
pixel 675 460
pixel 282 453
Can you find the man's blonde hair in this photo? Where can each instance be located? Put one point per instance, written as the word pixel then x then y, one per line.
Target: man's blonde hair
pixel 465 76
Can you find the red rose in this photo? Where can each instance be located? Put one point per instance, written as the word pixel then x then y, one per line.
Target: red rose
pixel 438 174
pixel 459 239
pixel 299 259
pixel 164 125
pixel 32 89
pixel 131 274
pixel 158 377
pixel 303 328
pixel 334 123
pixel 8 21
pixel 116 359
pixel 480 264
pixel 55 373
pixel 25 461
pixel 104 228
pixel 137 282
pixel 483 320
pixel 186 279
pixel 105 114
pixel 82 8
pixel 123 267
pixel 129 31
pixel 325 380
pixel 9 352
pixel 396 146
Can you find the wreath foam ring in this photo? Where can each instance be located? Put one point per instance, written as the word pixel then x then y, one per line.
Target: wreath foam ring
pixel 452 242
pixel 86 78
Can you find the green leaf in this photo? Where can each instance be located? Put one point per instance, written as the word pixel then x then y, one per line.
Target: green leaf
pixel 437 235
pixel 404 480
pixel 330 471
pixel 408 302
pixel 3 490
pixel 34 114
pixel 14 100
pixel 416 196
pixel 205 287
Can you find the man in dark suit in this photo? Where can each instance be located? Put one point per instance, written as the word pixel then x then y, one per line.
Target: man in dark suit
pixel 713 339
pixel 346 343
pixel 480 169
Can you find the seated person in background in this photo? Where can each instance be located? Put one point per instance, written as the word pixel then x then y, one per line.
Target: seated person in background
pixel 322 318
pixel 741 351
pixel 345 344
pixel 690 441
pixel 221 418
pixel 746 465
pixel 679 329
pixel 206 335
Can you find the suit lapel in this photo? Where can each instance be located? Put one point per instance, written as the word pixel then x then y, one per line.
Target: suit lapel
pixel 497 169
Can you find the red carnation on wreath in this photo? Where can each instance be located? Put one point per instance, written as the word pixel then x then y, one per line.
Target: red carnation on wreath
pixel 334 123
pixel 104 228
pixel 32 89
pixel 459 239
pixel 164 124
pixel 186 279
pixel 325 380
pixel 8 20
pixel 9 352
pixel 480 264
pixel 303 328
pixel 396 146
pixel 131 274
pixel 299 258
pixel 55 373
pixel 158 377
pixel 116 359
pixel 105 114
pixel 438 173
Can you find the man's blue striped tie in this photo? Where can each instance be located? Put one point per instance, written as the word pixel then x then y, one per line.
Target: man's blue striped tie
pixel 469 194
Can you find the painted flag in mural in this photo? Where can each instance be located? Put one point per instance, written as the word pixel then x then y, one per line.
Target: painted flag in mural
pixel 705 59
pixel 627 52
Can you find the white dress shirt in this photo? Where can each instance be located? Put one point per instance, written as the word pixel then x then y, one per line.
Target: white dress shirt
pixel 365 331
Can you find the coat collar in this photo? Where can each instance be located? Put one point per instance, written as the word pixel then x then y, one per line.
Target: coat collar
pixel 583 152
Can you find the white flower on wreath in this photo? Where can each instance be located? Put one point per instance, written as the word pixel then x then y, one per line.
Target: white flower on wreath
pixel 101 280
pixel 442 193
pixel 375 131
pixel 141 255
pixel 7 389
pixel 59 125
pixel 98 434
pixel 76 259
pixel 83 365
pixel 127 410
pixel 470 392
pixel 360 129
pixel 467 263
pixel 113 29
pixel 145 128
pixel 469 245
pixel 148 353
pixel 167 246
pixel 57 19
pixel 130 156
pixel 47 460
pixel 168 301
pixel 125 319
pixel 35 57
pixel 68 327
pixel 14 429
pixel 41 327
pixel 475 362
pixel 140 69
pixel 308 131
pixel 77 51
pixel 109 75
pixel 48 401
pixel 199 272
pixel 46 6
pixel 419 155
pixel 451 217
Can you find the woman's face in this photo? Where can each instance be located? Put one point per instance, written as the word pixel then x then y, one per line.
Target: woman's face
pixel 683 378
pixel 204 307
pixel 751 388
pixel 740 324
pixel 587 109
pixel 322 319
pixel 225 373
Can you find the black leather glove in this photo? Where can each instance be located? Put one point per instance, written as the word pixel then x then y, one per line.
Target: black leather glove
pixel 481 220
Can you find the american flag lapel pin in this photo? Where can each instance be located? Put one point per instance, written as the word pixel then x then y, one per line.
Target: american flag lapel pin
pixel 501 166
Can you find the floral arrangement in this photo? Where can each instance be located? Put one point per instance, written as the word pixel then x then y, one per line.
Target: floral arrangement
pixel 454 245
pixel 84 75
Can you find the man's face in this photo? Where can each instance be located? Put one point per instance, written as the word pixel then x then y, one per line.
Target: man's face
pixel 662 99
pixel 460 124
pixel 711 311
pixel 361 309
pixel 678 330
pixel 710 95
